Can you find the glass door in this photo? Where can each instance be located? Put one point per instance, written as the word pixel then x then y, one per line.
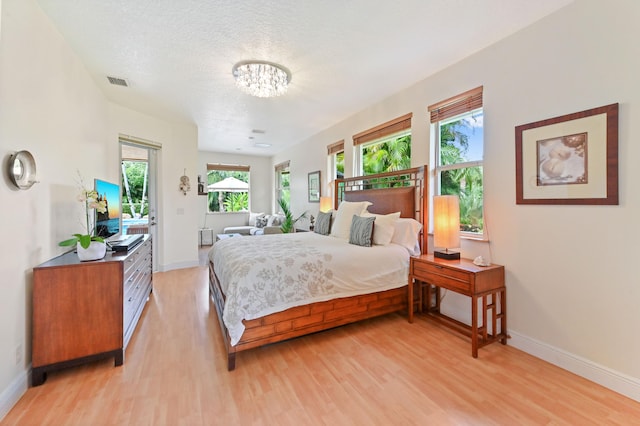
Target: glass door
pixel 139 189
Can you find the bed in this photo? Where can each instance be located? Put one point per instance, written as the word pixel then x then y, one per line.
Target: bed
pixel 277 287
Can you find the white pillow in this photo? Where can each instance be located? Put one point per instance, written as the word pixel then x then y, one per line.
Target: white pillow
pixel 252 218
pixel 341 226
pixel 383 227
pixel 405 233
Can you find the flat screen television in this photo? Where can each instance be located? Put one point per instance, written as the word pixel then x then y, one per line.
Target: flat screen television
pixel 109 223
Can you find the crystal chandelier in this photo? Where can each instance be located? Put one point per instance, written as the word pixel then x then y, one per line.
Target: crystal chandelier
pixel 261 79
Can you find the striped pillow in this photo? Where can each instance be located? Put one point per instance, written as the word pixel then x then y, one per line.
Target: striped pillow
pixel 323 223
pixel 361 233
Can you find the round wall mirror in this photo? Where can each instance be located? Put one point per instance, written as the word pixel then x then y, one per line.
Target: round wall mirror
pixel 22 169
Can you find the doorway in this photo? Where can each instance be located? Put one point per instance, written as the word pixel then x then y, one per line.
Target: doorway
pixel 139 162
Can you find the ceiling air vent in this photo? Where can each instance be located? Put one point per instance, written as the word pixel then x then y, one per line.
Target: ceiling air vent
pixel 118 81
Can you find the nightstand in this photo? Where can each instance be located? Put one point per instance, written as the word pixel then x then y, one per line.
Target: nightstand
pixel 485 286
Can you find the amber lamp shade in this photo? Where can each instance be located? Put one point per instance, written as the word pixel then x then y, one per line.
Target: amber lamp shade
pixel 446 226
pixel 325 204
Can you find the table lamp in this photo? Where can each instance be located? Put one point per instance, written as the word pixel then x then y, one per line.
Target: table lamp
pixel 325 204
pixel 446 226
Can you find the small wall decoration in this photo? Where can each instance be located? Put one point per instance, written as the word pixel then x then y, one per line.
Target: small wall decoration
pixel 200 185
pixel 21 168
pixel 572 159
pixel 185 186
pixel 314 187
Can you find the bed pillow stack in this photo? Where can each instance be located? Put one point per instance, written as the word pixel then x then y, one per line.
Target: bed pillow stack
pixel 342 222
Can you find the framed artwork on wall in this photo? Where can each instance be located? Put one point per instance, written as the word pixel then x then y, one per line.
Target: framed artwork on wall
pixel 314 187
pixel 572 159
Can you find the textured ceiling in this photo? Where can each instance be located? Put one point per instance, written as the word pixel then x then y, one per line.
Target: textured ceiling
pixel 344 55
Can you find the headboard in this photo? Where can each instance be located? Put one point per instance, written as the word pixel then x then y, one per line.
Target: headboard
pixel 403 191
pixel 387 200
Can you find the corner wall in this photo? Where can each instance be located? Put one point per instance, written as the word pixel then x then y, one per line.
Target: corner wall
pixel 573 290
pixel 260 196
pixel 50 106
pixel 177 218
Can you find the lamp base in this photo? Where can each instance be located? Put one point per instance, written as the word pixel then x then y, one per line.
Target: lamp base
pixel 448 255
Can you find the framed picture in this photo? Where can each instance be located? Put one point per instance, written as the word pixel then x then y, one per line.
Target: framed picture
pixel 314 187
pixel 572 159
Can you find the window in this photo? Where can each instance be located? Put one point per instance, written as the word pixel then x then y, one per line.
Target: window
pixel 335 151
pixel 283 182
pixel 228 187
pixel 458 125
pixel 384 148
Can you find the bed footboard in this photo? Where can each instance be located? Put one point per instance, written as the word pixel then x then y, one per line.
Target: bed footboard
pixel 218 301
pixel 302 320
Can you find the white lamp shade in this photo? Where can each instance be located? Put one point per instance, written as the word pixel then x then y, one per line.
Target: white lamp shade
pixel 446 221
pixel 325 204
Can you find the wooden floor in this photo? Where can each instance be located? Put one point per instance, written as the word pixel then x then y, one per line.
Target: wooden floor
pixel 377 372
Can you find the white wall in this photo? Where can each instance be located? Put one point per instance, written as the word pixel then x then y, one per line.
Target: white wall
pixel 260 195
pixel 50 106
pixel 573 291
pixel 177 213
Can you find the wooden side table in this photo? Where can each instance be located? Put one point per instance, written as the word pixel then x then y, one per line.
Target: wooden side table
pixel 481 283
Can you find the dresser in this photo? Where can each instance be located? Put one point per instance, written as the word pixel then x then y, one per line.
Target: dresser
pixel 484 285
pixel 85 311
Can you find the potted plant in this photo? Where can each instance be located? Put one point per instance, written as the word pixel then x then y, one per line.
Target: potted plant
pixel 288 224
pixel 89 246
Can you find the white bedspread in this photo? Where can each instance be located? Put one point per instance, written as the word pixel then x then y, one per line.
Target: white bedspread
pixel 267 274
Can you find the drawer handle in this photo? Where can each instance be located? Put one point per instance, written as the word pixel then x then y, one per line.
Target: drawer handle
pixel 130 299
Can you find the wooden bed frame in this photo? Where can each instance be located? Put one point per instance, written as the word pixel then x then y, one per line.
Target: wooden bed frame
pixel 402 191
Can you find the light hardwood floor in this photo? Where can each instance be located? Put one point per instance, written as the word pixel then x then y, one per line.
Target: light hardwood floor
pixel 377 372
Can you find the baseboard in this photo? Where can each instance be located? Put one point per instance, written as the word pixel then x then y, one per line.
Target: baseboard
pixel 604 376
pixel 181 265
pixel 10 396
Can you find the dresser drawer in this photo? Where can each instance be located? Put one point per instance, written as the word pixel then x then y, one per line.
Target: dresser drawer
pixel 139 257
pixel 136 296
pixel 442 277
pixel 133 283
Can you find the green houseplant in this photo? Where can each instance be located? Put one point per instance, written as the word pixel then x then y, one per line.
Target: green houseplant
pixel 288 224
pixel 91 200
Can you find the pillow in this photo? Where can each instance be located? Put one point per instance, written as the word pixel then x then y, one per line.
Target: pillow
pixel 323 223
pixel 252 218
pixel 384 227
pixel 275 220
pixel 261 221
pixel 405 233
pixel 346 211
pixel 361 232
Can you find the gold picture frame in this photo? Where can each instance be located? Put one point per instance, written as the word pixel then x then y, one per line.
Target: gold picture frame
pixel 571 159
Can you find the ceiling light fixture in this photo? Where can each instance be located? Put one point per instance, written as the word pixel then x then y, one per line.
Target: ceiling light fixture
pixel 261 79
